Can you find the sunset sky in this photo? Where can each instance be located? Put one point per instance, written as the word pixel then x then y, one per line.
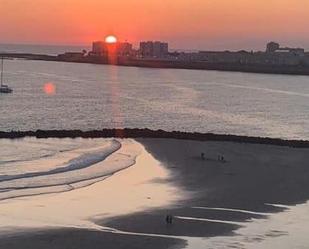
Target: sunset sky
pixel 195 24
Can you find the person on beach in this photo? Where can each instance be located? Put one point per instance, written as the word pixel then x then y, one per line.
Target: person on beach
pixel 221 159
pixel 203 156
pixel 169 219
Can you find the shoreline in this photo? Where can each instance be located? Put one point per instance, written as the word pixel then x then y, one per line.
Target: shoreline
pixel 171 64
pixel 147 133
pixel 218 198
pixel 72 215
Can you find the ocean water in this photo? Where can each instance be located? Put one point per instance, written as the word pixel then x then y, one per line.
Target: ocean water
pixel 90 97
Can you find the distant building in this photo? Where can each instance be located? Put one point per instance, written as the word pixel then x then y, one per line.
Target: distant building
pixel 146 49
pixel 273 47
pixel 274 55
pixel 124 49
pixel 152 49
pixel 101 48
pixel 249 58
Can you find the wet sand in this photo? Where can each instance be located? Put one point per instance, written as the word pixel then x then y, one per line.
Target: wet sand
pixel 220 196
pixel 68 219
pixel 252 177
pixel 74 239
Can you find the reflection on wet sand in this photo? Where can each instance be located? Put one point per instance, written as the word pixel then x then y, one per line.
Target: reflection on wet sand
pixel 136 188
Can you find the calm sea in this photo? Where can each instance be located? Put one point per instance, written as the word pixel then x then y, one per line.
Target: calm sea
pixel 101 96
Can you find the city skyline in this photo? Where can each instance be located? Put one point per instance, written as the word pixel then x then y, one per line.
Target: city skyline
pixel 200 24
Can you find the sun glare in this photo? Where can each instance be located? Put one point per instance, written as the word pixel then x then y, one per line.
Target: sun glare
pixel 111 39
pixel 49 88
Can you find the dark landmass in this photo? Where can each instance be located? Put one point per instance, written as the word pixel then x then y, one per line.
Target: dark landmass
pixel 147 133
pixel 29 56
pixel 232 67
pixel 177 64
pixel 83 239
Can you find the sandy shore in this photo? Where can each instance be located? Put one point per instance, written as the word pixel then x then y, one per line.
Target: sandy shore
pixel 224 195
pixel 215 198
pixel 252 175
pixel 69 219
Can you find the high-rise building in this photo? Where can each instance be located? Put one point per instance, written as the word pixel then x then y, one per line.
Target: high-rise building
pixel 101 48
pixel 155 49
pixel 146 49
pixel 124 49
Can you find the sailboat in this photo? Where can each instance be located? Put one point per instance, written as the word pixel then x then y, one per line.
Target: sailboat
pixel 4 88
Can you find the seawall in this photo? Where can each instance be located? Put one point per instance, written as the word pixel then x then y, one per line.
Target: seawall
pixel 147 133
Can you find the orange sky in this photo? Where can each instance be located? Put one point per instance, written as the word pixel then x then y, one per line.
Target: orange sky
pixel 208 24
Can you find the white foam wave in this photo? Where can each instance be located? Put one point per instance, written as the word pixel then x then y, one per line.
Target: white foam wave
pixel 80 162
pixel 233 210
pixel 81 171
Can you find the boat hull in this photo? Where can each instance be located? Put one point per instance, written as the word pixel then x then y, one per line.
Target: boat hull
pixel 6 90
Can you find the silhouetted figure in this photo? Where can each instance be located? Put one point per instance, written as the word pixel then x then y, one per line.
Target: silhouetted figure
pixel 169 219
pixel 221 159
pixel 202 156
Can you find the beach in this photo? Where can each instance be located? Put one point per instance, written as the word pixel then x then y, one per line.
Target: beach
pixel 210 200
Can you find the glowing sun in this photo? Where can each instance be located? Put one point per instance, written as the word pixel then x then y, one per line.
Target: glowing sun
pixel 111 39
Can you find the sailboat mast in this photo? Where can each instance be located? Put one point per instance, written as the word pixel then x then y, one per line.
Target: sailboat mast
pixel 1 71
